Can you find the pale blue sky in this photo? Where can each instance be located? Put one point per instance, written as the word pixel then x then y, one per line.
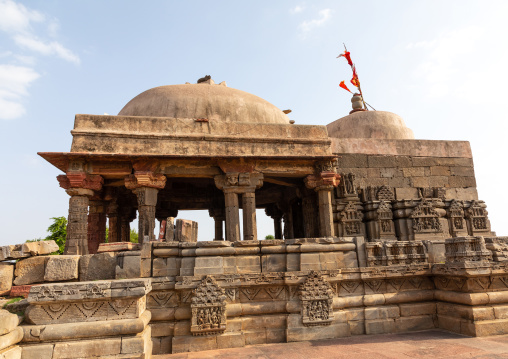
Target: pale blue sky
pixel 441 65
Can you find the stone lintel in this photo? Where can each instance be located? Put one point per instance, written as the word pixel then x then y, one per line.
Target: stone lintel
pixel 145 179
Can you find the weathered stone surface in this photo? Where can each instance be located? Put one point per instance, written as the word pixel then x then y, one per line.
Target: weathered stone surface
pixel 12 252
pixel 20 291
pixel 98 266
pixel 186 231
pixel 40 247
pixel 30 270
pixel 129 265
pixel 87 348
pixel 118 247
pixel 11 338
pixel 61 268
pixel 8 322
pixel 6 277
pixel 42 351
pixel 11 353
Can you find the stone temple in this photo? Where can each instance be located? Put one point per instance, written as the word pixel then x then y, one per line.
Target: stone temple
pixel 375 232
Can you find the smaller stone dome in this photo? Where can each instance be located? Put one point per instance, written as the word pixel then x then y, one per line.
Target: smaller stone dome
pixel 370 124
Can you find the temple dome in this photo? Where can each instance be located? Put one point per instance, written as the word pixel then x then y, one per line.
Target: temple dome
pixel 370 124
pixel 204 100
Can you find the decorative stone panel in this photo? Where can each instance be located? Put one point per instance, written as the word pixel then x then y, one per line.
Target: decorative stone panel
pixel 466 249
pixel 317 296
pixel 208 306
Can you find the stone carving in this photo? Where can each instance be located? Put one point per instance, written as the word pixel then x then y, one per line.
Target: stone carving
pixel 351 220
pixel 456 219
pixel 425 218
pixel 385 193
pixel 477 219
pixel 385 219
pixel 466 249
pixel 395 253
pixel 145 179
pixel 80 180
pixel 317 296
pixel 347 186
pixel 208 306
pixel 499 248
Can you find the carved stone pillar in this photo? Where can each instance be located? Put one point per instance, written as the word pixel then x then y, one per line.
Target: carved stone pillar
pixel 114 223
pixel 219 217
pixel 276 214
pixel 80 186
pixel 323 184
pixel 233 184
pixel 146 186
pixel 96 231
pixel 126 218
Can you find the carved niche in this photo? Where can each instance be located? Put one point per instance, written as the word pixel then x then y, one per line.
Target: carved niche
pixel 208 307
pixel 456 219
pixel 317 296
pixel 477 219
pixel 425 218
pixel 347 187
pixel 385 219
pixel 351 220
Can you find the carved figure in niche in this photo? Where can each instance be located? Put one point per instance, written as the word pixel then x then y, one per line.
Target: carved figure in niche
pixel 425 218
pixel 348 184
pixel 316 295
pixel 456 218
pixel 477 216
pixel 351 220
pixel 208 307
pixel 385 217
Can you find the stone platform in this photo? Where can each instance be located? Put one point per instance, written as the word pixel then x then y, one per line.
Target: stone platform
pixel 425 344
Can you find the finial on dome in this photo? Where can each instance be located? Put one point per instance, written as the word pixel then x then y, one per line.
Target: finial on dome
pixel 357 102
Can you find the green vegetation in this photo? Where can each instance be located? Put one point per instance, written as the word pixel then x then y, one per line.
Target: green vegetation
pixel 13 300
pixel 134 236
pixel 269 236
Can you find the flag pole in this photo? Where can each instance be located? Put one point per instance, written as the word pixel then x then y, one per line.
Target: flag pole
pixel 359 87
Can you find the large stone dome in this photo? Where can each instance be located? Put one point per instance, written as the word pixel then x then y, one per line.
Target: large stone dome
pixel 204 100
pixel 370 124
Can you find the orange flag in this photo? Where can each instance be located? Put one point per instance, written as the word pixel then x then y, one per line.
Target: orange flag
pixel 343 85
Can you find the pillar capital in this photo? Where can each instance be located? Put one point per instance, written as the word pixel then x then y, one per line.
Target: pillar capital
pixel 323 181
pixel 235 182
pixel 145 179
pixel 81 180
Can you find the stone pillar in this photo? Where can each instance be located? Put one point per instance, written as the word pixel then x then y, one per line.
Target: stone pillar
pixel 250 232
pixel 233 184
pixel 96 232
pixel 146 186
pixel 323 183
pixel 276 214
pixel 80 186
pixel 114 233
pixel 218 216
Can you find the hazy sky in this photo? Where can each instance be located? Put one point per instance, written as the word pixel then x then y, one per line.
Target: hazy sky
pixel 441 65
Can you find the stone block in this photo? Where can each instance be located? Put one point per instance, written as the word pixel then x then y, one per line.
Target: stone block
pixel 501 311
pixel 61 268
pixel 187 266
pixel 462 171
pixel 490 327
pixel 97 266
pixel 146 267
pixel 464 194
pixel 8 322
pixel 439 170
pixel 11 252
pixel 166 345
pixel 11 338
pixel 413 172
pixel 355 314
pixel 460 181
pixel 248 264
pixel 13 353
pixel 422 322
pixel 87 348
pixel 230 266
pixel 384 161
pixel 188 343
pixel 380 326
pixel 186 231
pixel 40 247
pixel 352 160
pixel 435 250
pixel 438 181
pixel 209 265
pixel 416 309
pixel 350 260
pixel 118 247
pixel 20 291
pixel 449 323
pixel 253 337
pixel 275 336
pixel 385 312
pixel 43 351
pixel 182 328
pixel 6 277
pixel 162 329
pixel 357 327
pixel 137 344
pixel 156 346
pixel 318 332
pixel 230 340
pixel 30 270
pixel 273 263
pixel 420 182
pixel 310 261
pixel 161 267
pixel 406 193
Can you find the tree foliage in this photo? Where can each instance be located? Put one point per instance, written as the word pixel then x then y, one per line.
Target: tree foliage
pixel 57 232
pixel 269 236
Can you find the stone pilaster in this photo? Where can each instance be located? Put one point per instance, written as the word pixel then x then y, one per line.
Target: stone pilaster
pixel 114 233
pixel 146 186
pixel 246 184
pixel 219 217
pixel 80 186
pixel 324 184
pixel 276 214
pixel 96 231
